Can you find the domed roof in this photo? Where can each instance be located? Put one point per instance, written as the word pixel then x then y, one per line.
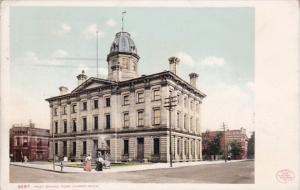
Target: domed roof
pixel 123 44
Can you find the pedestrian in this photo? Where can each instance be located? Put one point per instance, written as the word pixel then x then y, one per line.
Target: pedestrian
pixel 88 164
pixel 25 159
pixel 99 164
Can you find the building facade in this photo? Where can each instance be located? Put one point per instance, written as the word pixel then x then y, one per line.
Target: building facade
pixel 238 135
pixel 124 115
pixel 28 141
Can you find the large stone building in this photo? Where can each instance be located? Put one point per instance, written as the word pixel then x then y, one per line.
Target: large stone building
pixel 26 140
pixel 125 114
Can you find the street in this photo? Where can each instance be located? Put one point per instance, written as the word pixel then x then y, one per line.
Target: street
pixel 235 172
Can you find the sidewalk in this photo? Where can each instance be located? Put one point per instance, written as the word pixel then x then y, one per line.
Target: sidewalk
pixel 49 167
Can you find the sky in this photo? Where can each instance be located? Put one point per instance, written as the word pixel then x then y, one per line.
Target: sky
pixel 51 45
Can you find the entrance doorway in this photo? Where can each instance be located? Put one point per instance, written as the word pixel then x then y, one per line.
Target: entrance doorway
pixel 140 149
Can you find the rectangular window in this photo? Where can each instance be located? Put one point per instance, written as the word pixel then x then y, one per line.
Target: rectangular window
pixel 84 106
pixel 74 126
pixel 56 127
pixel 65 148
pixel 84 123
pixel 96 104
pixel 126 100
pixel 55 111
pixel 192 105
pixel 84 147
pixel 107 123
pixel 178 146
pixel 64 110
pixel 185 102
pixel 140 117
pixel 74 108
pixel 95 145
pixel 65 126
pixel 126 147
pixel 178 98
pixel 191 124
pixel 126 120
pixel 108 144
pixel 107 102
pixel 140 97
pixel 56 148
pixel 156 94
pixel 96 122
pixel 178 120
pixel 18 141
pixel 185 122
pixel 156 113
pixel 156 146
pixel 74 149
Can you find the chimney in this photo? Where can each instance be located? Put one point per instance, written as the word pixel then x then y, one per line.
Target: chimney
pixel 173 61
pixel 81 78
pixel 63 90
pixel 193 79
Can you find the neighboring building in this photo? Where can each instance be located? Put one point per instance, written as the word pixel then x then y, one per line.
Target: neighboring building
pixel 124 114
pixel 238 135
pixel 28 141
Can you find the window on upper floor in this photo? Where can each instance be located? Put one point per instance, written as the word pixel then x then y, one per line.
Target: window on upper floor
pixel 126 100
pixel 178 120
pixel 74 108
pixel 55 111
pixel 25 141
pixel 84 123
pixel 185 122
pixel 96 121
pixel 192 105
pixel 107 121
pixel 84 106
pixel 156 94
pixel 156 116
pixel 65 126
pixel 140 118
pixel 64 110
pixel 140 97
pixel 126 120
pixel 74 125
pixel 107 102
pixel 96 104
pixel 185 102
pixel 55 127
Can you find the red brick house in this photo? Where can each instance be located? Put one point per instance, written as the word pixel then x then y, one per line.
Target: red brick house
pixel 238 135
pixel 26 140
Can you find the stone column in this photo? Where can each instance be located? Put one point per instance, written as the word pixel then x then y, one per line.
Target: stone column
pixel 148 143
pixel 132 148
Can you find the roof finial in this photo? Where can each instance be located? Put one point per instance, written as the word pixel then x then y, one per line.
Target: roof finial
pixel 123 13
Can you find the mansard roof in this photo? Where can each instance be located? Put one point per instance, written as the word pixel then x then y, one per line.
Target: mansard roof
pixel 97 84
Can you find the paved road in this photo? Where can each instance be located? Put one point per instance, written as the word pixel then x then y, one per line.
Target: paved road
pixel 238 172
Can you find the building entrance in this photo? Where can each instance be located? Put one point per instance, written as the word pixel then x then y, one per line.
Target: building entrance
pixel 140 148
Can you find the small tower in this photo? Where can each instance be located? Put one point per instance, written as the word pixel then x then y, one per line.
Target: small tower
pixel 193 79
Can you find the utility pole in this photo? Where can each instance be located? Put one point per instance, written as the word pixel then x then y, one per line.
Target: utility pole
pixel 225 149
pixel 170 103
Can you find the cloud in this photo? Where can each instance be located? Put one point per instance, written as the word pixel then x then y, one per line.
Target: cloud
pixel 227 103
pixel 31 57
pixel 63 29
pixel 111 22
pixel 209 61
pixel 212 61
pixel 90 31
pixel 185 58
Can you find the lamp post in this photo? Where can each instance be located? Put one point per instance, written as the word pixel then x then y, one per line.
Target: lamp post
pixel 225 148
pixel 170 103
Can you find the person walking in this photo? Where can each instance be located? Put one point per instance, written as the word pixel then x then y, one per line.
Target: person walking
pixel 88 163
pixel 99 164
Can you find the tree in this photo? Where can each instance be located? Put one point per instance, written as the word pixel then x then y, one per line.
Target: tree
pixel 251 145
pixel 235 148
pixel 214 145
